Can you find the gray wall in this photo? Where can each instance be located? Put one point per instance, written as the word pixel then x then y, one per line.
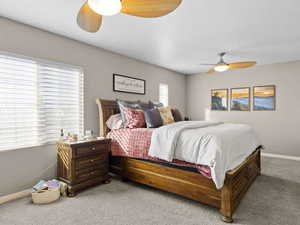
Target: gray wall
pixel 20 168
pixel 278 130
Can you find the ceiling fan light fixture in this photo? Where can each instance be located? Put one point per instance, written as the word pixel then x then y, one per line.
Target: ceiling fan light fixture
pixel 105 7
pixel 221 67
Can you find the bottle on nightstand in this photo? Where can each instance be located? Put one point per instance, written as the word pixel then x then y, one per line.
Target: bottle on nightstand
pixel 61 135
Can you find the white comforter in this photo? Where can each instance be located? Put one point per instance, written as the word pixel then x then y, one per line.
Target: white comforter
pixel 221 146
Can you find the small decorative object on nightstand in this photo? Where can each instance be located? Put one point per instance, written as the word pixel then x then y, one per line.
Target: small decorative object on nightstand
pixel 83 164
pixel 186 118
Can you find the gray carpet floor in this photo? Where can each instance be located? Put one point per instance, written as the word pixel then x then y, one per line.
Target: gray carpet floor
pixel 273 199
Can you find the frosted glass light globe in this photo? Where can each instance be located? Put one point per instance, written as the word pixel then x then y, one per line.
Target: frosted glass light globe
pixel 105 7
pixel 221 68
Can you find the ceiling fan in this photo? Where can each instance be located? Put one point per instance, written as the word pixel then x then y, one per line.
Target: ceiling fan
pixel 222 66
pixel 90 15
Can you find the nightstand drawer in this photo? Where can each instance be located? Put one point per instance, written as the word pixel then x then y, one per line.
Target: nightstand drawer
pixel 92 161
pixel 91 149
pixel 89 174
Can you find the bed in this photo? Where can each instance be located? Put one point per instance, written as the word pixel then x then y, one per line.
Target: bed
pixel 184 182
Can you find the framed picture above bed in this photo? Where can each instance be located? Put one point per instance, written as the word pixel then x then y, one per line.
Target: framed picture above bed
pixel 264 98
pixel 128 84
pixel 219 99
pixel 240 99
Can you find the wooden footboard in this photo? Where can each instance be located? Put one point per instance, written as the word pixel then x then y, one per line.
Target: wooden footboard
pixel 237 183
pixel 191 184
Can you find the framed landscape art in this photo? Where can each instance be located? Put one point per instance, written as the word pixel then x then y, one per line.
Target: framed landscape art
pixel 240 99
pixel 264 98
pixel 219 99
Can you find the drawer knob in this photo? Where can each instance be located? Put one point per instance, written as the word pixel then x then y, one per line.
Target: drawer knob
pixel 91 160
pixel 93 148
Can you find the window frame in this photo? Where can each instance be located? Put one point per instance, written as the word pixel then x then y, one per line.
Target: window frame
pixel 165 85
pixel 40 61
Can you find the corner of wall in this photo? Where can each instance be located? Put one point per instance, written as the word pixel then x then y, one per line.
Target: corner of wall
pixel 186 101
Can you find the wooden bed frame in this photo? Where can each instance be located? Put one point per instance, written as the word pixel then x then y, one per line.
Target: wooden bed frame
pixel 185 183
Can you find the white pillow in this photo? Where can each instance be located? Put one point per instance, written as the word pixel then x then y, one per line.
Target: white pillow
pixel 115 122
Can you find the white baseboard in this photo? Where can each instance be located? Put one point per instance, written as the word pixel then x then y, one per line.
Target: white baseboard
pixel 15 196
pixel 281 156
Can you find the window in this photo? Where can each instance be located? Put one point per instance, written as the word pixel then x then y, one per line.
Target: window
pixel 37 99
pixel 164 94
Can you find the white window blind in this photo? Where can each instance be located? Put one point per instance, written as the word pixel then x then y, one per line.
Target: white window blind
pixel 37 99
pixel 164 94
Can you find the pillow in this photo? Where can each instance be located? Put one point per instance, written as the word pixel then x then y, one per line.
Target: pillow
pixel 155 105
pixel 176 115
pixel 114 122
pixel 134 117
pixel 153 118
pixel 166 115
pixel 126 104
pixel 144 105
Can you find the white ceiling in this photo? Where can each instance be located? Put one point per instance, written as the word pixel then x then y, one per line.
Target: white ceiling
pixel 263 30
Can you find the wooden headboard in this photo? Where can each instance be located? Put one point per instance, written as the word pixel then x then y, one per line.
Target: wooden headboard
pixel 106 109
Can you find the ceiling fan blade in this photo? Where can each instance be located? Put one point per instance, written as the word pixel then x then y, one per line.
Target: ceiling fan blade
pixel 88 20
pixel 149 8
pixel 212 70
pixel 240 65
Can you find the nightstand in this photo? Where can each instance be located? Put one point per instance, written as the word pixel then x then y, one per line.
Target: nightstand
pixel 83 164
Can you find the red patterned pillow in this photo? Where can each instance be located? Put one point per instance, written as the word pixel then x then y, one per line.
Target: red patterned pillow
pixel 135 118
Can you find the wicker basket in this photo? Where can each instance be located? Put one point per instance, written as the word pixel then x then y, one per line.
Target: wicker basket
pixel 46 196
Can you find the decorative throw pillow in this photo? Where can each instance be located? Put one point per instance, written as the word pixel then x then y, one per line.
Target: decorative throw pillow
pixel 153 105
pixel 126 104
pixel 114 122
pixel 153 118
pixel 176 115
pixel 166 115
pixel 134 117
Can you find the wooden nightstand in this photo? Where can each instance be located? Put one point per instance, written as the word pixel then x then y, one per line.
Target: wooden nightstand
pixel 83 164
